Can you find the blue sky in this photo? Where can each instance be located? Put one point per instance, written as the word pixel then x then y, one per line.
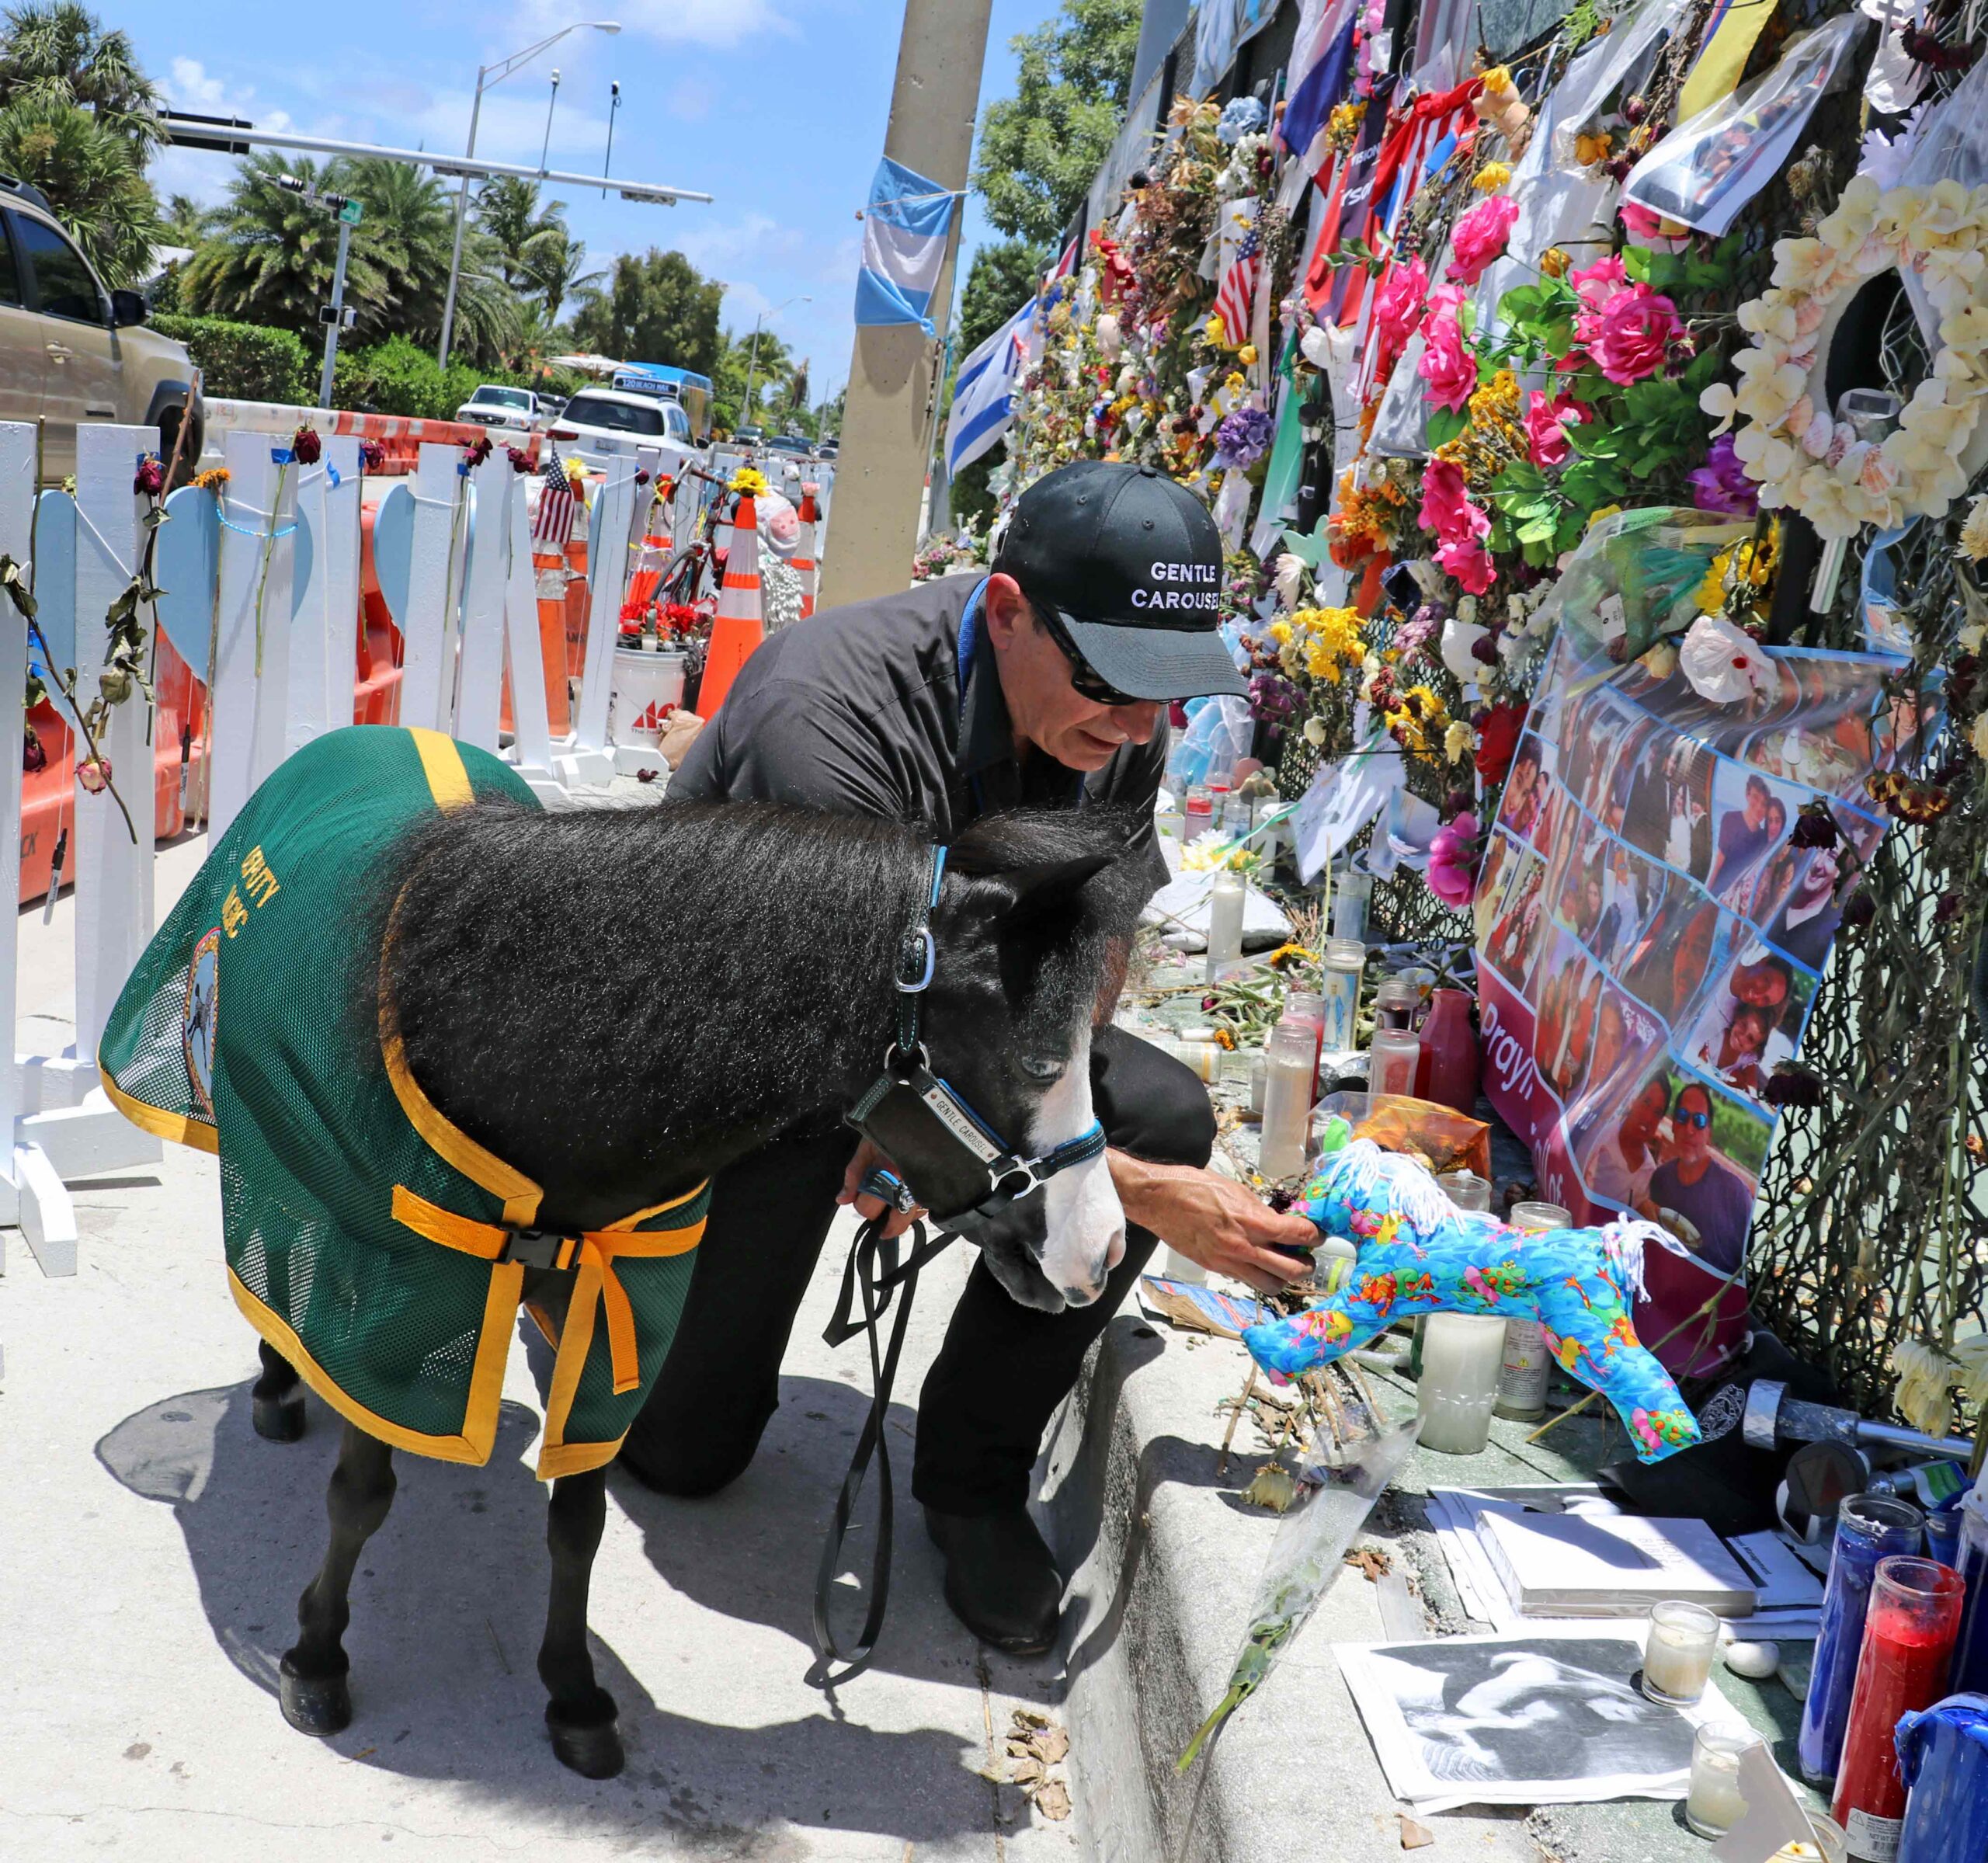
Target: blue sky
pixel 790 164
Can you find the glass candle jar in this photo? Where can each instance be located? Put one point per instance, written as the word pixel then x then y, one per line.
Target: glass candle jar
pixel 1290 1064
pixel 1908 1645
pixel 1715 1802
pixel 1226 922
pixel 1466 1190
pixel 1395 1003
pixel 1869 1527
pixel 1678 1652
pixel 1351 891
pixel 1199 811
pixel 1528 1365
pixel 1340 968
pixel 1308 1006
pixel 1461 1354
pixel 1391 1061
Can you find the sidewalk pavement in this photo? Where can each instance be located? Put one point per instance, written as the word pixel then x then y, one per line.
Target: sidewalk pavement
pixel 152 1547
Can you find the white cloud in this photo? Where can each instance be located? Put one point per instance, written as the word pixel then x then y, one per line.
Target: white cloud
pixel 190 86
pixel 722 24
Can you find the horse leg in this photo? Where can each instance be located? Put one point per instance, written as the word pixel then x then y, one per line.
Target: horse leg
pixel 313 1690
pixel 277 1398
pixel 581 1714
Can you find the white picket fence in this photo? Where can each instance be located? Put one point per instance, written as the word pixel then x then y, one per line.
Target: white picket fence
pixel 265 579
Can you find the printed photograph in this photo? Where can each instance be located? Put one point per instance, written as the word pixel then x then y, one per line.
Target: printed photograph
pixel 1515 937
pixel 1668 814
pixel 1752 815
pixel 1749 1020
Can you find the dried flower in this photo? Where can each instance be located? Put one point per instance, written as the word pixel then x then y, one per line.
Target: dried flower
pixel 1859 908
pixel 1974 532
pixel 478 450
pixel 149 481
pixel 520 460
pixel 213 479
pixel 1553 262
pixel 1792 1086
pixel 306 447
pixel 1490 178
pixel 94 774
pixel 372 455
pixel 1815 827
pixel 33 755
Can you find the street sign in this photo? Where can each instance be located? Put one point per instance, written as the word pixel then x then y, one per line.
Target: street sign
pixel 351 213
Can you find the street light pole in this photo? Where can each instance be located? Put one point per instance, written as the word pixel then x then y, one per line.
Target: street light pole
pixel 753 360
pixel 349 212
pixel 487 74
pixel 614 110
pixel 551 103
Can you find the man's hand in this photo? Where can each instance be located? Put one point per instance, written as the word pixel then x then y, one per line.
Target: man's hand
pixel 866 1160
pixel 1221 1224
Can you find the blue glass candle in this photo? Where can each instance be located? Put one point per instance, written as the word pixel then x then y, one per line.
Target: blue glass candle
pixel 1869 1527
pixel 1970 1670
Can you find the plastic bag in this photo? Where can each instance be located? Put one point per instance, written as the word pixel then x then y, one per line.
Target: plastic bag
pixel 1218 735
pixel 1305 1561
pixel 1951 143
pixel 1709 168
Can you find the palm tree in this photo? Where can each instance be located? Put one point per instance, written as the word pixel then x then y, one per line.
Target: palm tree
pixel 507 209
pixel 185 220
pixel 92 178
pixel 267 257
pixel 409 228
pixel 555 271
pixel 59 54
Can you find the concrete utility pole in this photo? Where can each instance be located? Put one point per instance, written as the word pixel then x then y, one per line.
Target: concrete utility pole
pixel 885 426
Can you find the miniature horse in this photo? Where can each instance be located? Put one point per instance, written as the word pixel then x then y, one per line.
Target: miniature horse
pixel 621 1003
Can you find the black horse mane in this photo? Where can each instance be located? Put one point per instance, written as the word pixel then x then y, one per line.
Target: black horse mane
pixel 603 986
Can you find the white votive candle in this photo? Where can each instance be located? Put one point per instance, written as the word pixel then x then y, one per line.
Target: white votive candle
pixel 1461 1354
pixel 1226 922
pixel 1715 1802
pixel 1678 1654
pixel 1290 1067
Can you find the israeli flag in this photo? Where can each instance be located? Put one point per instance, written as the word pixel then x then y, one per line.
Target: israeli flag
pixel 904 244
pixel 982 408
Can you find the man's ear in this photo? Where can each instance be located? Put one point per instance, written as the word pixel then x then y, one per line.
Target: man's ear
pixel 1004 607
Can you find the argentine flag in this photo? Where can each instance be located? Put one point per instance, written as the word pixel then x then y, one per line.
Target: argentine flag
pixel 904 244
pixel 982 412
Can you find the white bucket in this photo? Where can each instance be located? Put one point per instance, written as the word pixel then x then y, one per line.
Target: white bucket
pixel 644 683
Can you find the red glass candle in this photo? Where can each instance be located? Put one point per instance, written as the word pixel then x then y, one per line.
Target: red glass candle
pixel 1908 1645
pixel 1446 1071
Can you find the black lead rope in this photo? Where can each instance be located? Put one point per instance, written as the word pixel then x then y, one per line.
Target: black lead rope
pixel 874 1272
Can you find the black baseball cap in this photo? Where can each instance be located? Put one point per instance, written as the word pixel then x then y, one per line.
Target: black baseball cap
pixel 1130 562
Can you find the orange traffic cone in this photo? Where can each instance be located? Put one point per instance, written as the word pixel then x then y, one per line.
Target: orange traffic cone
pixel 802 562
pixel 739 626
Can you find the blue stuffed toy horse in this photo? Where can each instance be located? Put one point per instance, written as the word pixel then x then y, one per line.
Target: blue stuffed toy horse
pixel 1419 1253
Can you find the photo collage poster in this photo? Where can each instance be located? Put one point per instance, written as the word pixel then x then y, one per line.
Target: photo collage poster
pixel 1651 936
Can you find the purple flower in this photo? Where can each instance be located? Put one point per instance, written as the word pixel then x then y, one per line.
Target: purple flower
pixel 1273 699
pixel 1243 439
pixel 1721 484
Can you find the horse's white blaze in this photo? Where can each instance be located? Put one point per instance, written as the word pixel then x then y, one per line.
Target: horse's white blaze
pixel 1087 1223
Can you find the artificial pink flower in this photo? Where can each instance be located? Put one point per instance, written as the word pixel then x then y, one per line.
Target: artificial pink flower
pixel 1453 861
pixel 1446 506
pixel 1642 224
pixel 1447 364
pixel 1469 562
pixel 1629 337
pixel 1398 309
pixel 1481 237
pixel 1545 433
pixel 1595 285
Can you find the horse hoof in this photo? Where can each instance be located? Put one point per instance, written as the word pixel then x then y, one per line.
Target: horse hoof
pixel 594 1751
pixel 315 1704
pixel 278 1420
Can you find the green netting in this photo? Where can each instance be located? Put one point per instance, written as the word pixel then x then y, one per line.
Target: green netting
pixel 312 1138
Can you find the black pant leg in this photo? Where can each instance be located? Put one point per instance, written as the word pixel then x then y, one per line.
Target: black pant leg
pixel 720 1385
pixel 1004 1367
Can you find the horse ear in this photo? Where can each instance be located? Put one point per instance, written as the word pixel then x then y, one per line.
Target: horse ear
pixel 1048 886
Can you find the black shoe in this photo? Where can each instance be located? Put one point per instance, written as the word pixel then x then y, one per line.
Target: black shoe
pixel 1000 1579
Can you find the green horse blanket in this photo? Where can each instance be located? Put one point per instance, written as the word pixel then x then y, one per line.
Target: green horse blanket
pixel 368 1240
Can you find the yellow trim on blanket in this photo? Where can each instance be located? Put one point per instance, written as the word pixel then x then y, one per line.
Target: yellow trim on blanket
pixel 157 1120
pixel 479 1435
pixel 485 1168
pixel 442 764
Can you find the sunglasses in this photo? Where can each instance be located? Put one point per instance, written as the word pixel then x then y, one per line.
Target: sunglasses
pixel 1083 681
pixel 1700 1119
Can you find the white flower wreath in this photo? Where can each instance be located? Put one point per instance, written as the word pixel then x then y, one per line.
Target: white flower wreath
pixel 1804 459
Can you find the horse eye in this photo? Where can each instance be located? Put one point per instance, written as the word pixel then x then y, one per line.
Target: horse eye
pixel 1044 1067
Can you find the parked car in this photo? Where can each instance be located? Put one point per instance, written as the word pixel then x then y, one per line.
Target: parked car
pixel 494 406
pixel 828 449
pixel 599 423
pixel 796 446
pixel 750 436
pixel 71 352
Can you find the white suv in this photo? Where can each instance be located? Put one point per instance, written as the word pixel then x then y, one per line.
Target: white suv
pixel 493 406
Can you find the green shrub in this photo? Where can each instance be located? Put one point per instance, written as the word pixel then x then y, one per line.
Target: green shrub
pixel 244 361
pixel 400 377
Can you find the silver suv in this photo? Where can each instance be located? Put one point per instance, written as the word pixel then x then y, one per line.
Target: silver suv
pixel 71 352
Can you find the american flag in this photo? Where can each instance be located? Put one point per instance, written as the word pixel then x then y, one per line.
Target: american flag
pixel 553 524
pixel 1236 297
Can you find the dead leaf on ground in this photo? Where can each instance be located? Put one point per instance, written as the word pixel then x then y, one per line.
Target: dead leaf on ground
pixel 1026 1772
pixel 1053 1801
pixel 1274 1487
pixel 1031 1717
pixel 1372 1560
pixel 1414 1836
pixel 1050 1745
